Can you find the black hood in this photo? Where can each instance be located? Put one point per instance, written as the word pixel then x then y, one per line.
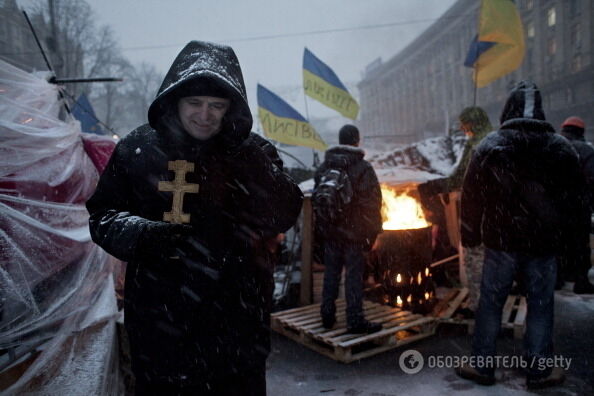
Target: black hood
pixel 343 156
pixel 524 101
pixel 208 65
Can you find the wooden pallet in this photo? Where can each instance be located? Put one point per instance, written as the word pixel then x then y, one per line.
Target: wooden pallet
pixel 513 315
pixel 304 325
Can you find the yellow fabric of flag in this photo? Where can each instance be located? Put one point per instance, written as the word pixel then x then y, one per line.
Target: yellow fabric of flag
pixel 321 83
pixel 499 23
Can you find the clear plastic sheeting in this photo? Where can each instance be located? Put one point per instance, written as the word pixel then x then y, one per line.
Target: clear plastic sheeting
pixel 56 287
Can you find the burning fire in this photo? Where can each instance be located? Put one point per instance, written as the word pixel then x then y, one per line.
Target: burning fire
pixel 401 212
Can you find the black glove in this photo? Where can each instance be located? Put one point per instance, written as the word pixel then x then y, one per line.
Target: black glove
pixel 162 240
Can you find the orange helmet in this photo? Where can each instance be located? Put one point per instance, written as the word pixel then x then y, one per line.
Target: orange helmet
pixel 574 121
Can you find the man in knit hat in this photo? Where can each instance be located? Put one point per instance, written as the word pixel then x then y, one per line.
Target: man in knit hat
pixel 348 238
pixel 576 264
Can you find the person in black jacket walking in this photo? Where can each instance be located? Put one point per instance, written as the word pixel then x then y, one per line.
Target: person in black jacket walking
pixel 190 201
pixel 521 197
pixel 576 264
pixel 348 239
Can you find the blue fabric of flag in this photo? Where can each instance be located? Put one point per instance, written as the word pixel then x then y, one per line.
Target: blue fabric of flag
pixel 273 103
pixel 83 111
pixel 320 69
pixel 475 50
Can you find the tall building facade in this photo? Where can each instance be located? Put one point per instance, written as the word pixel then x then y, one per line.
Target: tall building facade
pixel 419 92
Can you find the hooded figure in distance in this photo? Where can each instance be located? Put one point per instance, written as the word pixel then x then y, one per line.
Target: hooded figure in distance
pixel 189 201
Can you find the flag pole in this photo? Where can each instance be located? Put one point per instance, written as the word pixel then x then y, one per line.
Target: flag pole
pixel 475 85
pixel 316 160
pixel 476 63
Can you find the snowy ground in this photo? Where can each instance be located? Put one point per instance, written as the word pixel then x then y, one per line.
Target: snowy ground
pixel 294 370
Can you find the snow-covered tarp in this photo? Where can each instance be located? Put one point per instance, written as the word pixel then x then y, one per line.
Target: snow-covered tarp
pixel 55 283
pixel 416 163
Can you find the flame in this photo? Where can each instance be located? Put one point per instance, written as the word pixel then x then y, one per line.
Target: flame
pixel 427 272
pixel 401 211
pixel 426 296
pixel 398 278
pixel 419 278
pixel 398 301
pixel 409 299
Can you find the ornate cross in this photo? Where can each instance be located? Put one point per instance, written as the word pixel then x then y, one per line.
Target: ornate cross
pixel 179 187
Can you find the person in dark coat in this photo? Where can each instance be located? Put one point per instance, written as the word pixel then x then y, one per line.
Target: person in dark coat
pixel 577 264
pixel 190 201
pixel 475 124
pixel 351 236
pixel 520 198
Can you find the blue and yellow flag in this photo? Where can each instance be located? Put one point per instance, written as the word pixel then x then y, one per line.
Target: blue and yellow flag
pixel 499 47
pixel 284 124
pixel 322 84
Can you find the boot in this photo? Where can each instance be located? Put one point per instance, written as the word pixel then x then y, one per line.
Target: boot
pixel 328 321
pixel 556 377
pixel 583 286
pixel 364 327
pixel 468 372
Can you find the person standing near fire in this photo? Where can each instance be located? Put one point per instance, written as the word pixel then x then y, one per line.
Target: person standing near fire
pixel 522 199
pixel 475 124
pixel 191 201
pixel 349 238
pixel 576 264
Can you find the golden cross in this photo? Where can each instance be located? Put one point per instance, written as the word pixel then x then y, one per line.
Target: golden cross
pixel 179 187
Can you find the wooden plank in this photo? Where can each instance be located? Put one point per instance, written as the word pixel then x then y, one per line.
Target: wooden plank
pixel 305 293
pixel 441 304
pixel 445 260
pixel 507 310
pixel 386 332
pixel 453 306
pixel 520 320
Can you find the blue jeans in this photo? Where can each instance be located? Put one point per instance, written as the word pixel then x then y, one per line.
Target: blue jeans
pixel 353 258
pixel 538 274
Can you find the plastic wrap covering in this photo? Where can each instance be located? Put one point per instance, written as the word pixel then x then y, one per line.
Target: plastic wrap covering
pixel 56 290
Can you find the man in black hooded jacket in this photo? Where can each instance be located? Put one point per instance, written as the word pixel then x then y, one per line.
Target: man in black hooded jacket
pixel 521 197
pixel 348 238
pixel 190 200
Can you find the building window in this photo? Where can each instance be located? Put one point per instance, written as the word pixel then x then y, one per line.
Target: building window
pixel 574 8
pixel 576 63
pixel 576 35
pixel 551 17
pixel 530 29
pixel 552 46
pixel 569 95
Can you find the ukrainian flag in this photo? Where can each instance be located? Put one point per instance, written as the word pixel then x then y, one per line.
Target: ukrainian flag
pixel 284 124
pixel 499 47
pixel 322 84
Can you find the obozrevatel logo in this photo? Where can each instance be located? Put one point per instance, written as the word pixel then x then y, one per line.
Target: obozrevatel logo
pixel 411 361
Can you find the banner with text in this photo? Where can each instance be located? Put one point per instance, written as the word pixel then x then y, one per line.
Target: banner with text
pixel 284 124
pixel 321 83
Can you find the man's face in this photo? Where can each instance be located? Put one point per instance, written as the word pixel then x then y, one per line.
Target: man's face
pixel 201 116
pixel 467 129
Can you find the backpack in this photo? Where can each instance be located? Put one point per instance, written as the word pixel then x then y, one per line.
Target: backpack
pixel 332 195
